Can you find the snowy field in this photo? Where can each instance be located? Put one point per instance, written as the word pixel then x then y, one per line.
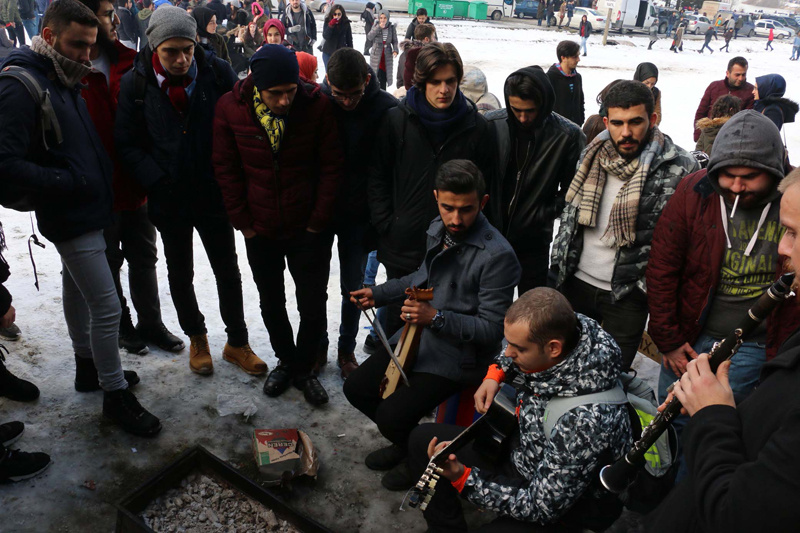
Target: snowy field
pixel 346 496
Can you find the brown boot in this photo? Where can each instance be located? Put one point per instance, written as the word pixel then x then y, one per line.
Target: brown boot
pixel 347 362
pixel 200 355
pixel 320 360
pixel 245 358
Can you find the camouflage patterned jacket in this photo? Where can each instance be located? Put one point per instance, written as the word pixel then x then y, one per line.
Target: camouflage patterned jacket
pixel 557 472
pixel 666 171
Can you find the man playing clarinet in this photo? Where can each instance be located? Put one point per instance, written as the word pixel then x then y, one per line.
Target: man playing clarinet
pixel 472 270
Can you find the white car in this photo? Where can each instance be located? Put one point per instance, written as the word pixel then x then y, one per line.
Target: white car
pixel 393 5
pixel 778 30
pixel 351 7
pixel 595 18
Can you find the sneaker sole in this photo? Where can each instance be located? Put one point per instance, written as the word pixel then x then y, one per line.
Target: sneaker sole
pixel 15 479
pixel 141 351
pixel 10 338
pixel 251 372
pixel 14 439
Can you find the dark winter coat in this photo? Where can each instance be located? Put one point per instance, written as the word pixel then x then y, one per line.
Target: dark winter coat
pixel 585 29
pixel 473 285
pixel 714 91
pixel 143 18
pixel 538 196
pixel 70 185
pixel 6 45
pixel 220 10
pixel 666 171
pixel 560 469
pixel 778 109
pixel 709 128
pixel 339 36
pixel 569 94
pixel 711 32
pixel 128 29
pixel 743 476
pixel 217 44
pixel 101 100
pixel 278 196
pixel 27 9
pixel 168 154
pixel 368 18
pixel 685 269
pixel 413 26
pixel 311 30
pixel 405 161
pixel 358 137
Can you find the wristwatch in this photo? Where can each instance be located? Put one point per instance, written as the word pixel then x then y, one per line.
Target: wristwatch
pixel 438 322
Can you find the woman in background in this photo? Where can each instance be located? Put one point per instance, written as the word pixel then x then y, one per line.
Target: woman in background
pixel 336 32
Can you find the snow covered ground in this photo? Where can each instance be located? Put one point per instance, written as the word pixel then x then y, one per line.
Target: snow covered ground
pixel 346 496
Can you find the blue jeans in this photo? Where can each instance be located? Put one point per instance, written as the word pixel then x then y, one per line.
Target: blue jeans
pixel 795 52
pixel 583 44
pixel 352 262
pixel 372 268
pixel 743 377
pixel 31 27
pixel 91 306
pixel 325 59
pixel 669 29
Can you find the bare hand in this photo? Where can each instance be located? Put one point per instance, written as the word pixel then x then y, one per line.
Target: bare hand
pixel 9 317
pixel 248 233
pixel 485 395
pixel 677 359
pixel 699 387
pixel 416 312
pixel 394 54
pixel 452 469
pixel 363 297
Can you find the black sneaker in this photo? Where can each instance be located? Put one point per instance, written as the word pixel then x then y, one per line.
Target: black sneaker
pixel 86 375
pixel 129 339
pixel 122 407
pixel 161 337
pixel 15 388
pixel 19 466
pixel 371 344
pixel 11 333
pixel 386 458
pixel 398 478
pixel 10 432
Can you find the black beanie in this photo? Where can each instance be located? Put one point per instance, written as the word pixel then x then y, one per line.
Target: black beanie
pixel 274 64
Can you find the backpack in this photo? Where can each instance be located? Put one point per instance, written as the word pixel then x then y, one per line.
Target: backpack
pixel 48 129
pixel 656 479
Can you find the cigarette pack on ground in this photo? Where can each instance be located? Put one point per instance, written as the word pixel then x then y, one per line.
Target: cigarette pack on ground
pixel 282 454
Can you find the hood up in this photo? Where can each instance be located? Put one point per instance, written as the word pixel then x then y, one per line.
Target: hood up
pixel 539 78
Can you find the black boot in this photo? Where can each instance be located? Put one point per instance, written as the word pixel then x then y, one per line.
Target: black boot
pixel 161 337
pixel 122 407
pixel 86 375
pixel 386 458
pixel 15 388
pixel 129 339
pixel 650 46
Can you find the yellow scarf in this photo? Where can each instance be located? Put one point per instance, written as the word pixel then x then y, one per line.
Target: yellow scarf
pixel 273 125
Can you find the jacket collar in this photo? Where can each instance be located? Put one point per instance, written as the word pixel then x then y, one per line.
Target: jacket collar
pixel 703 186
pixel 473 238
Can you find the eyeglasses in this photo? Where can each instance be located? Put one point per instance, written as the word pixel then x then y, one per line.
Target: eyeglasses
pixel 337 15
pixel 352 97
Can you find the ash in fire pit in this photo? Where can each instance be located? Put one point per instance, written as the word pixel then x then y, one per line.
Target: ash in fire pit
pixel 204 504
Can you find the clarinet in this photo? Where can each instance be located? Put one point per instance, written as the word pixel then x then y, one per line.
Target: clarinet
pixel 618 476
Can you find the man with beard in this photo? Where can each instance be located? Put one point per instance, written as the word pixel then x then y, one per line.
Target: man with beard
pixel 742 472
pixel 735 83
pixel 132 236
pixel 70 187
pixel 473 284
pixel 624 180
pixel 715 251
pixel 538 150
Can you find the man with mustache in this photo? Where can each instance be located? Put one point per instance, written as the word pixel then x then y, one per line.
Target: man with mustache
pixel 624 180
pixel 715 252
pixel 472 270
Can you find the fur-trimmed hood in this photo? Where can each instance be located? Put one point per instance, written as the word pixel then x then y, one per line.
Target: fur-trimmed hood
pixel 704 123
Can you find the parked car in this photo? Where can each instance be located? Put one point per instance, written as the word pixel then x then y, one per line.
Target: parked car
pixel 528 8
pixel 749 28
pixel 696 24
pixel 351 7
pixel 595 18
pixel 393 5
pixel 788 22
pixel 664 13
pixel 764 25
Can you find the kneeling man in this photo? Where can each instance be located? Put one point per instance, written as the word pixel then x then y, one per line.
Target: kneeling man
pixel 473 271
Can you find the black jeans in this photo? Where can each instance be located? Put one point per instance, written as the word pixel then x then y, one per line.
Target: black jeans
pixel 309 258
pixel 624 319
pixel 444 513
pixel 400 413
pixel 382 79
pixel 393 321
pixel 132 238
pixel 535 263
pixel 220 246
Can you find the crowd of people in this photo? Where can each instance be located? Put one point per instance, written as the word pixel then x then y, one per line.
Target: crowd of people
pixel 457 197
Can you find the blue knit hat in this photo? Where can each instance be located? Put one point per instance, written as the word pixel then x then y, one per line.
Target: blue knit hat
pixel 274 64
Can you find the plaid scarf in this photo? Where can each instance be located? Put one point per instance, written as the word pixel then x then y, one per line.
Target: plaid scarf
pixel 586 189
pixel 176 88
pixel 273 125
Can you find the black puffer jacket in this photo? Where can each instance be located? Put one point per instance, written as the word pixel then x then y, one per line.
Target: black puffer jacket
pixel 778 109
pixel 538 197
pixel 168 154
pixel 405 162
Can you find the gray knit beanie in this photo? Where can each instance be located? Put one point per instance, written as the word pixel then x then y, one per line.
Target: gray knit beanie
pixel 168 22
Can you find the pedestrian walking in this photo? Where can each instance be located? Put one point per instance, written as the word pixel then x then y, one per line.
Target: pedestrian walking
pixel 653 31
pixel 384 49
pixel 677 42
pixel 796 47
pixel 728 36
pixel 562 12
pixel 710 32
pixel 585 30
pixel 770 39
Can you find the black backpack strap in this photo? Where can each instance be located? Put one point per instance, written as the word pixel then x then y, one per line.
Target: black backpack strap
pixel 41 97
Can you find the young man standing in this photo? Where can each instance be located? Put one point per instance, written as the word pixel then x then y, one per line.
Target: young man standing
pixel 72 199
pixel 538 150
pixel 132 236
pixel 549 483
pixel 472 271
pixel 567 82
pixel 360 105
pixel 433 124
pixel 163 134
pixel 301 28
pixel 624 179
pixel 735 83
pixel 421 18
pixel 128 25
pixel 278 161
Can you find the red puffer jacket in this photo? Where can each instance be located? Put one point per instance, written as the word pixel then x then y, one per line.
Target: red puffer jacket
pixel 684 270
pixel 101 100
pixel 277 195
